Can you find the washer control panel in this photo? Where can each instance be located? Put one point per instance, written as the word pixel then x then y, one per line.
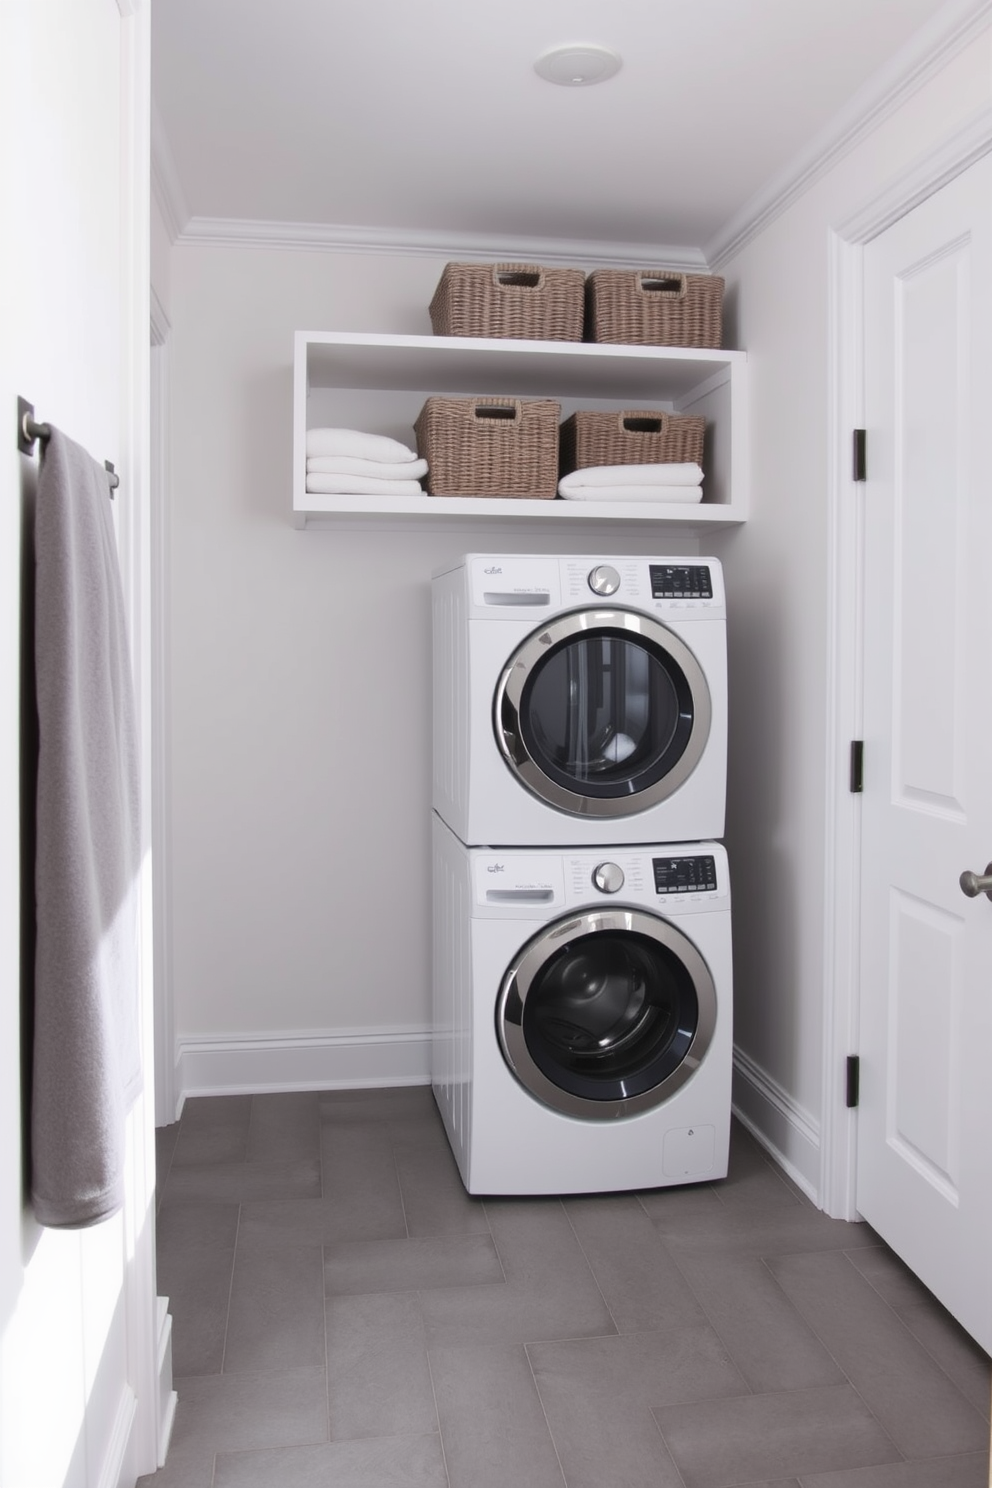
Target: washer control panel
pixel 690 875
pixel 681 581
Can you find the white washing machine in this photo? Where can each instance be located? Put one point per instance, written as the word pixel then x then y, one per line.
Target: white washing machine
pixel 579 700
pixel 582 1015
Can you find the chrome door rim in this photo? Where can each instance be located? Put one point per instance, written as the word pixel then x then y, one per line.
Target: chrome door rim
pixel 519 980
pixel 514 677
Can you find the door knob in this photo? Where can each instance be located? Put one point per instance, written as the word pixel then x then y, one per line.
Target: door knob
pixel 974 884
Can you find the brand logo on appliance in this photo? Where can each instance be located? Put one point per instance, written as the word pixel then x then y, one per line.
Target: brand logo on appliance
pixel 495 570
pixel 495 868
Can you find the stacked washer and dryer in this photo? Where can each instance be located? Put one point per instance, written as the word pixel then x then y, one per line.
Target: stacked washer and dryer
pixel 582 977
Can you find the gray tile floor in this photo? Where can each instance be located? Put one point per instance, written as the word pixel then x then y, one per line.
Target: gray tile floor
pixel 345 1315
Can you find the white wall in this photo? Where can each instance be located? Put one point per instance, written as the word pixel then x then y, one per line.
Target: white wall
pixel 777 570
pixel 75 1392
pixel 300 695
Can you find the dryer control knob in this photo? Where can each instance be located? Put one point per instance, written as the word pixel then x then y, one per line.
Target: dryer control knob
pixel 604 580
pixel 608 878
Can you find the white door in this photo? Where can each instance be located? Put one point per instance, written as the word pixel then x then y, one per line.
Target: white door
pixel 925 1116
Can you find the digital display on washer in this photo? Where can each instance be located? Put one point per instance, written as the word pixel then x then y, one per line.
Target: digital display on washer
pixel 680 581
pixel 695 875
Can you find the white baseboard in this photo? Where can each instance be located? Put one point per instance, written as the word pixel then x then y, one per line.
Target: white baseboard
pixel 115 1470
pixel 167 1396
pixel 788 1133
pixel 240 1064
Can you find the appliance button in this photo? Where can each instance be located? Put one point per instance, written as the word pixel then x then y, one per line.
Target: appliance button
pixel 604 580
pixel 608 878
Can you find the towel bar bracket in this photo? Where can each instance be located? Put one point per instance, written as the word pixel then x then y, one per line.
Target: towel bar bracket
pixel 29 431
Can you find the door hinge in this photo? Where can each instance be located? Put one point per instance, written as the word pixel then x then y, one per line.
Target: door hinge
pixel 860 468
pixel 857 766
pixel 853 1079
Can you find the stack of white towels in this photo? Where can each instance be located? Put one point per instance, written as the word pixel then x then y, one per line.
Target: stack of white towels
pixel 659 483
pixel 346 462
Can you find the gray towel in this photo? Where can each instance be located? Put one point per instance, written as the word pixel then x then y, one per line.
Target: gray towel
pixel 87 1066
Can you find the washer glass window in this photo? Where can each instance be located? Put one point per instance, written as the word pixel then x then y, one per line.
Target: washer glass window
pixel 607 1014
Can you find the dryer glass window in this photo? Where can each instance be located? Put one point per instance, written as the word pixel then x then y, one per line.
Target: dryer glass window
pixel 606 715
pixel 610 1016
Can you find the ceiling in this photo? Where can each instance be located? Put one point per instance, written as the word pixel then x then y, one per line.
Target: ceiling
pixel 426 116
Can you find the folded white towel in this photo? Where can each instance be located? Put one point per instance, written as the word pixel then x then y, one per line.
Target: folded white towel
pixel 660 494
pixel 361 485
pixel 675 474
pixel 356 445
pixel 378 469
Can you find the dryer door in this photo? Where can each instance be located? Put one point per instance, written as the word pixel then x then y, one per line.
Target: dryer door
pixel 606 1014
pixel 602 712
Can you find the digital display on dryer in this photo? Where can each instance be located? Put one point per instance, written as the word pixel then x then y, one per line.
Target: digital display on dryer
pixel 680 581
pixel 696 875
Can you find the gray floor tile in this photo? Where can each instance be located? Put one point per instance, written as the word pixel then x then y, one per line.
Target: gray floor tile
pixel 378 1377
pixel 641 1284
pixel 752 1230
pixel 385 1105
pixel 239 1182
pixel 753 1179
pixel 213 1128
pixel 284 1126
pixel 492 1424
pixel 916 1403
pixel 405 1265
pixel 277 1311
pixel 397 1461
pixel 434 1198
pixel 550 1291
pixel 772 1346
pixel 197 1282
pixel 277 1223
pixel 598 1395
pixel 192 1224
pixel 971 1471
pixel 721 1443
pixel 359 1172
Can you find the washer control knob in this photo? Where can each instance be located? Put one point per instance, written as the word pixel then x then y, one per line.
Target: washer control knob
pixel 604 580
pixel 608 878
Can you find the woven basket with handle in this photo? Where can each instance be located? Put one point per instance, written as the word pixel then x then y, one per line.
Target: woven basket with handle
pixel 636 436
pixel 490 446
pixel 654 307
pixel 509 300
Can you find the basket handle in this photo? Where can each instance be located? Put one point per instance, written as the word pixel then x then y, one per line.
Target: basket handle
pixel 671 286
pixel 491 411
pixel 633 422
pixel 518 276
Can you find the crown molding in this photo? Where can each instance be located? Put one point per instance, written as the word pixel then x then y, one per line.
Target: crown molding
pixel 165 183
pixel 227 232
pixel 930 49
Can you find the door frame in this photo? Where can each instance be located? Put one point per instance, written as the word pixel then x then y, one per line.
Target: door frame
pixel 845 630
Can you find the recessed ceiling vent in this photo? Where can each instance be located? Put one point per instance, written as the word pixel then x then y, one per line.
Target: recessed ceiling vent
pixel 578 66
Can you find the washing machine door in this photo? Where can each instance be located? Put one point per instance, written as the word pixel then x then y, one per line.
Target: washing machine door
pixel 606 1014
pixel 602 712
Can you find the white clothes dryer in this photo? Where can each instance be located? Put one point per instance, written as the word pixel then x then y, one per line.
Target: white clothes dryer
pixel 580 701
pixel 582 1015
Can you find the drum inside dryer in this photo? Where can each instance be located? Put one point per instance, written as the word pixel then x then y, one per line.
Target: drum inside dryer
pixel 602 713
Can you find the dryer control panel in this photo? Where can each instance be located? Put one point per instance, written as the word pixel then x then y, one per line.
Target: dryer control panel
pixel 691 875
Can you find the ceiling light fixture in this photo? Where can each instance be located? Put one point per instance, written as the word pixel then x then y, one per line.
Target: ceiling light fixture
pixel 578 66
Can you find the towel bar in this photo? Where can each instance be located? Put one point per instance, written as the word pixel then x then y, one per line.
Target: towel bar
pixel 29 430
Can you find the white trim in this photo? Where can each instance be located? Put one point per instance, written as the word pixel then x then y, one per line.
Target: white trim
pixel 165 183
pixel 787 1131
pixel 953 28
pixel 161 772
pixel 229 232
pixel 168 1398
pixel 330 1059
pixel 954 155
pixel 115 1470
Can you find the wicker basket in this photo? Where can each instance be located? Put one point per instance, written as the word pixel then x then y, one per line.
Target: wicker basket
pixel 654 307
pixel 509 300
pixel 633 437
pixel 490 446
